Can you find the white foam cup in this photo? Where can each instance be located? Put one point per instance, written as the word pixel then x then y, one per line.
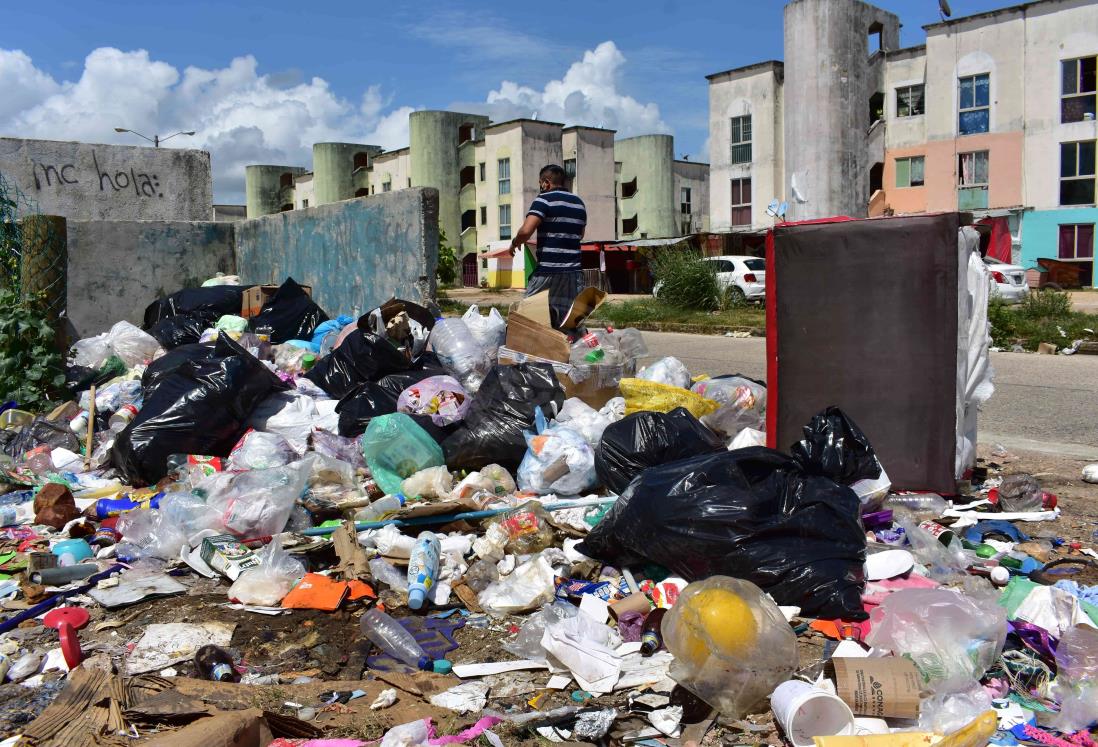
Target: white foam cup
pixel 805 711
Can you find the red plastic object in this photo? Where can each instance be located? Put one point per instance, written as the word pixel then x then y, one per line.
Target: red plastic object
pixel 66 621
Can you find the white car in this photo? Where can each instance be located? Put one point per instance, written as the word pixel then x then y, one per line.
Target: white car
pixel 1008 282
pixel 743 277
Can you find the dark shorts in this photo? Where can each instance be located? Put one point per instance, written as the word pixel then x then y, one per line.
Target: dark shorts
pixel 563 288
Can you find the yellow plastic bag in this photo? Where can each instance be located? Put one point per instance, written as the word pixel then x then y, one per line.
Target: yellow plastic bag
pixel 974 734
pixel 650 395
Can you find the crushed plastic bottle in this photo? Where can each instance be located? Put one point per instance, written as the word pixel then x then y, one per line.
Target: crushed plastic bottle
pixel 922 506
pixel 460 353
pixel 391 637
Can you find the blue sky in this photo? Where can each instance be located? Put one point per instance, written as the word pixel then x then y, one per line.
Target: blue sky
pixel 258 80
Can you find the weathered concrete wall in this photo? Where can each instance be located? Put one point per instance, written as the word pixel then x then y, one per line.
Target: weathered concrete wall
pixel 87 181
pixel 356 254
pixel 117 268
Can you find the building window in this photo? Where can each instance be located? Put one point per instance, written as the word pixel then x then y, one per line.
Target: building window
pixel 910 101
pixel 504 222
pixel 741 202
pixel 570 168
pixel 972 180
pixel 483 171
pixel 684 199
pixel 387 186
pixel 360 161
pixel 483 215
pixel 909 171
pixel 503 174
pixel 409 182
pixel 304 203
pixel 974 107
pixel 1077 93
pixel 1077 241
pixel 1077 173
pixel 629 188
pixel 363 192
pixel 629 225
pixel 741 139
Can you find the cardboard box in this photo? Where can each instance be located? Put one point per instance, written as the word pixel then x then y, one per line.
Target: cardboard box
pixel 227 555
pixel 878 687
pixel 595 385
pixel 530 331
pixel 255 297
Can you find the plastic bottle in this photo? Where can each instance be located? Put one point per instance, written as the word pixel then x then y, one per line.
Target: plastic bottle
pixel 651 636
pixel 423 569
pixel 923 505
pixel 79 424
pixel 214 663
pixel 122 417
pixel 460 353
pixel 391 637
pixel 381 509
pixel 480 575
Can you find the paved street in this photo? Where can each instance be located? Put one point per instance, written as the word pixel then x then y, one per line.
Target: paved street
pixel 1041 402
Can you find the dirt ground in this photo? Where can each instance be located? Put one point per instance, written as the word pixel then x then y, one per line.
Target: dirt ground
pixel 328 647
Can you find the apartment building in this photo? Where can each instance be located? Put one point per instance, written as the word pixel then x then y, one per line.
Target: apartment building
pixel 994 114
pixel 487 175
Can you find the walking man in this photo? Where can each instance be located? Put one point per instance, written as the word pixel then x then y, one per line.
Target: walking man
pixel 560 219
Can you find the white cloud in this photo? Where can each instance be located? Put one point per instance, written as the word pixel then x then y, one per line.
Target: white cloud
pixel 240 116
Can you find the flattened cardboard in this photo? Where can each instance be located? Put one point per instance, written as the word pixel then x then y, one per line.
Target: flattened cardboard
pixel 529 326
pixel 878 687
pixel 251 303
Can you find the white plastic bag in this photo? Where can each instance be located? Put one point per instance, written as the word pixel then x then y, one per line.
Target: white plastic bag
pixel 271 580
pixel 257 450
pixel 258 502
pixel 585 420
pixel 490 331
pixel 669 370
pixel 743 404
pixel 747 437
pixel 529 586
pixel 124 340
pixel 290 414
pixel 1076 685
pixel 433 482
pixel 558 460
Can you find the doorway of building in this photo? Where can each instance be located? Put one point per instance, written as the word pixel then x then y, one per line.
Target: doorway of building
pixel 469 277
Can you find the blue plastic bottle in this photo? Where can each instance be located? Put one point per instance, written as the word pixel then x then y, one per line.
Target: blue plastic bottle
pixel 423 569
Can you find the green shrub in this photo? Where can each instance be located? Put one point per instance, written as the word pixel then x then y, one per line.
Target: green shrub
pixel 1046 304
pixel 30 365
pixel 686 281
pixel 447 261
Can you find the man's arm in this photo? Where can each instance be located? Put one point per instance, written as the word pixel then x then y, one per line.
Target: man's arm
pixel 526 230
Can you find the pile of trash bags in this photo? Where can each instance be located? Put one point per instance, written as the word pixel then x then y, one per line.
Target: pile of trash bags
pixel 643 544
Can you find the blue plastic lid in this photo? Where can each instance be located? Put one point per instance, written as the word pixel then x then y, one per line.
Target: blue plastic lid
pixel 424 663
pixel 401 497
pixel 416 598
pixel 442 666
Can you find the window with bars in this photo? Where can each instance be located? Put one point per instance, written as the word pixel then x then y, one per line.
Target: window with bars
pixel 972 180
pixel 503 174
pixel 1076 241
pixel 910 101
pixel 909 171
pixel 741 139
pixel 504 222
pixel 741 202
pixel 974 104
pixel 1077 173
pixel 1078 89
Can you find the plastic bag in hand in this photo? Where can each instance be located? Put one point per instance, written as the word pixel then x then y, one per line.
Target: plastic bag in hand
pixel 835 447
pixel 558 460
pixel 440 397
pixel 742 404
pixel 396 448
pixel 256 503
pixel 951 639
pixel 257 450
pixel 645 439
pixel 752 514
pixel 669 370
pixel 271 580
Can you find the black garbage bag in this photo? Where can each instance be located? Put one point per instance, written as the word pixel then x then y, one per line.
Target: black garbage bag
pixel 835 447
pixel 364 403
pixel 361 357
pixel 214 301
pixel 201 407
pixel 171 361
pixel 290 313
pixel 492 431
pixel 645 439
pixel 182 329
pixel 41 431
pixel 80 378
pixel 753 514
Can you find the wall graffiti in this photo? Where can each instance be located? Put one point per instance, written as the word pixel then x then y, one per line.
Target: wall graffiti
pixel 109 180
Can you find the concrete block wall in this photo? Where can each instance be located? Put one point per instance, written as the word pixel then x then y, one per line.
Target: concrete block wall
pixel 355 254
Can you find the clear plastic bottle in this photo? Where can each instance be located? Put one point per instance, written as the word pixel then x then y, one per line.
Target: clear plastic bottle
pixel 630 342
pixel 480 574
pixel 423 568
pixel 460 353
pixel 391 637
pixel 923 505
pixel 381 509
pixel 122 417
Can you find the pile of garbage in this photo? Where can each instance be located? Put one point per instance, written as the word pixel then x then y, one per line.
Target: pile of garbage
pixel 454 529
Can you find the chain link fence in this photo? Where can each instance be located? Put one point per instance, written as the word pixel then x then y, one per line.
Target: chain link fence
pixel 33 251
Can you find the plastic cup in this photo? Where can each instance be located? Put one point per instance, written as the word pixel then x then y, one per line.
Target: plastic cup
pixel 805 712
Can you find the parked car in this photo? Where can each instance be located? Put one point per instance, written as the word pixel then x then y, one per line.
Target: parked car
pixel 743 277
pixel 1008 281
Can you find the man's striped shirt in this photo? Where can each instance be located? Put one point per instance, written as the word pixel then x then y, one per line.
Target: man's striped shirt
pixel 563 218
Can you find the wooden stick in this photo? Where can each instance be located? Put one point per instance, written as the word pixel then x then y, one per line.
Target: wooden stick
pixel 91 429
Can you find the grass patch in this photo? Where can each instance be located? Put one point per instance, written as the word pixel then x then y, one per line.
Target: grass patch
pixel 1044 316
pixel 651 312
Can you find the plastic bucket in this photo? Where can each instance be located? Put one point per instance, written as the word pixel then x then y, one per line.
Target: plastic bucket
pixel 805 711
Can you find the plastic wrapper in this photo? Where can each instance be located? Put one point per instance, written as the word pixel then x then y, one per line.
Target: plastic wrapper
pixel 644 396
pixel 752 514
pixel 38 432
pixel 125 340
pixel 527 527
pixel 479 488
pixel 361 405
pixel 1020 492
pixel 835 447
pixel 211 301
pixel 290 314
pixel 670 371
pixel 945 713
pixel 747 437
pixel 396 448
pixel 271 580
pixel 256 503
pixel 742 404
pixel 646 439
pixel 441 398
pixel 586 420
pixel 362 357
pixel 200 408
pixel 147 533
pixel 528 587
pixel 490 330
pixel 433 482
pixel 181 329
pixel 731 643
pixel 338 447
pixel 257 450
pixel 1076 684
pixel 558 460
pixel 951 639
pixel 492 432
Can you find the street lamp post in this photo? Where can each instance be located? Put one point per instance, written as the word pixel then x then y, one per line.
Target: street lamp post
pixel 156 140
